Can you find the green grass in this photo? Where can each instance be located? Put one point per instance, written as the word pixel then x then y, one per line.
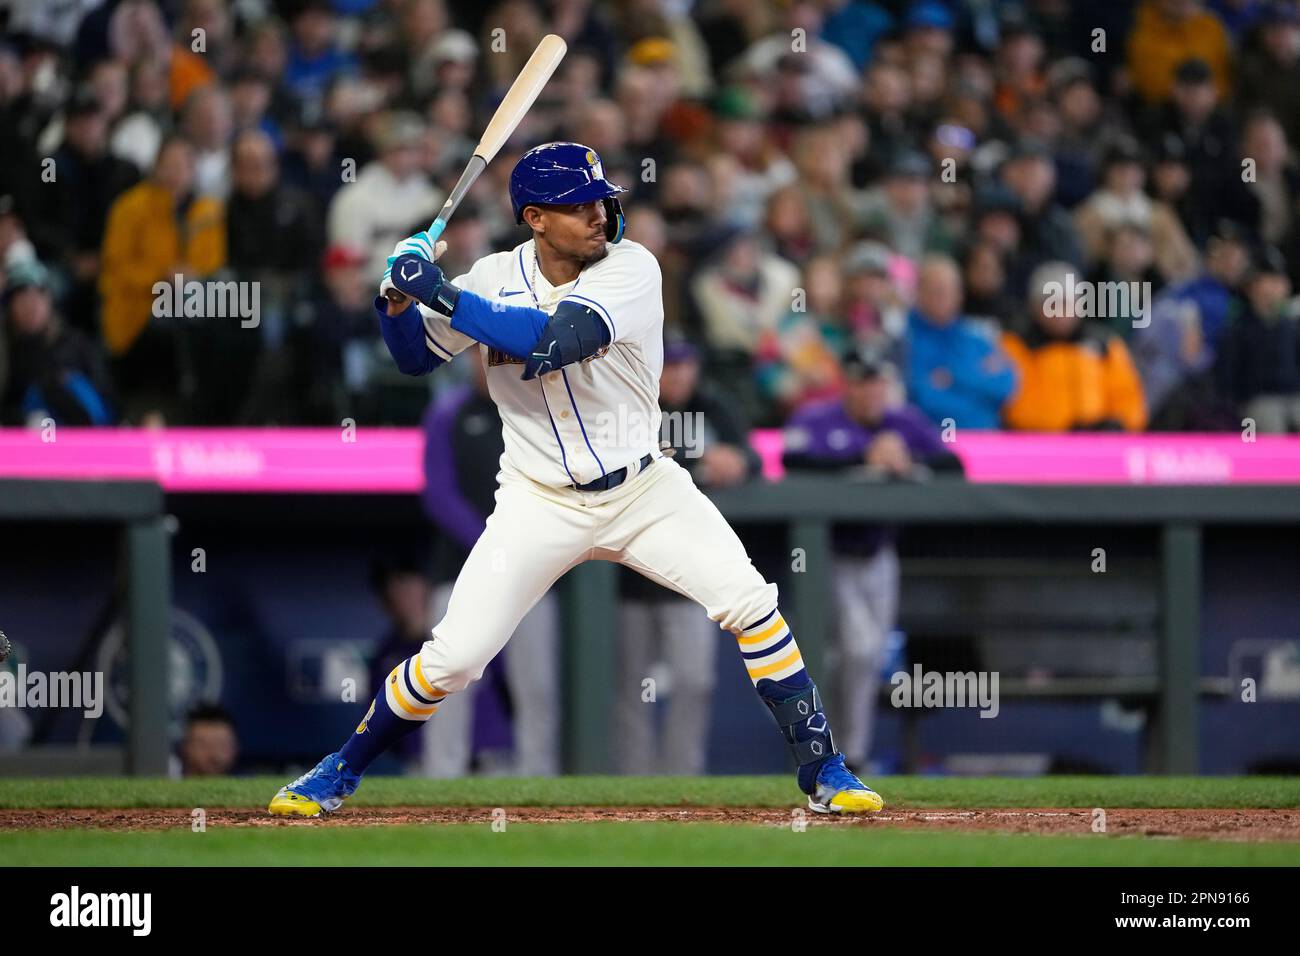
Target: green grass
pixel 900 792
pixel 617 844
pixel 640 844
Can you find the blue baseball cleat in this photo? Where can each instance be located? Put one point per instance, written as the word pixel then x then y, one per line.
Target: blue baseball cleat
pixel 320 790
pixel 839 791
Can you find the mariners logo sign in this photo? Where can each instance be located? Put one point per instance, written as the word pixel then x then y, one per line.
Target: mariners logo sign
pixel 194 669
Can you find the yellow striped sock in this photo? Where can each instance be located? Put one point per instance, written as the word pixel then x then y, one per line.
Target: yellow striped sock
pixel 769 650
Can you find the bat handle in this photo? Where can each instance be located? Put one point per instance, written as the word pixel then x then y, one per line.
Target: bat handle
pixel 476 165
pixel 472 170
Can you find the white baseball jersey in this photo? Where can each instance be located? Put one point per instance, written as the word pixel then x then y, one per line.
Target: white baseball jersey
pixel 576 424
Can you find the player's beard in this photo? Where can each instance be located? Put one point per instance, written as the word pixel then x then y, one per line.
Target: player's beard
pixel 596 256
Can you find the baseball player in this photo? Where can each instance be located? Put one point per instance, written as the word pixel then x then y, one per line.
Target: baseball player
pixel 570 326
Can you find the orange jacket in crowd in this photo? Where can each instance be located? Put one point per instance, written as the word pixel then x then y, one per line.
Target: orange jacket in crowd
pixel 1157 45
pixel 188 72
pixel 1080 382
pixel 143 241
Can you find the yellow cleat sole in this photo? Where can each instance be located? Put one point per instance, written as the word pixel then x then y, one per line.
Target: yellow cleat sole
pixel 293 805
pixel 856 801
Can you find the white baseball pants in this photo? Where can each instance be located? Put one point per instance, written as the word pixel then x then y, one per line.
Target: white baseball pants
pixel 532 671
pixel 657 522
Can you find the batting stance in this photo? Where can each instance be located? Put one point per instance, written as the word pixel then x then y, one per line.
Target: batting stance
pixel 570 326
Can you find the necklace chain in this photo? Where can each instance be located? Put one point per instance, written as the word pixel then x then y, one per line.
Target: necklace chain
pixel 533 288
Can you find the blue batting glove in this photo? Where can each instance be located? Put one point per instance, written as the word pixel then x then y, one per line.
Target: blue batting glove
pixel 417 277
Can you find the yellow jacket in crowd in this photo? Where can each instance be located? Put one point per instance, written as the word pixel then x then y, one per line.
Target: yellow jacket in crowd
pixel 1159 43
pixel 145 238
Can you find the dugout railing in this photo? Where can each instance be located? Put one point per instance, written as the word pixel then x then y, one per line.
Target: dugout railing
pixel 810 506
pixel 143 577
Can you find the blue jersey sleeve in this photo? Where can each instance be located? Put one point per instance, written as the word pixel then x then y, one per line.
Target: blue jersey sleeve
pixel 407 339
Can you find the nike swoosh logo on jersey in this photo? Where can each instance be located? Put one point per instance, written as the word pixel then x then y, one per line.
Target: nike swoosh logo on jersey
pixel 504 294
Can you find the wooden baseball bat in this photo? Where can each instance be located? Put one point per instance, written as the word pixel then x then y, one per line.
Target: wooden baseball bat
pixel 518 100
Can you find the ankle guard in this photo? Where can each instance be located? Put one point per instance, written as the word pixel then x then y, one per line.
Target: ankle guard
pixel 804 726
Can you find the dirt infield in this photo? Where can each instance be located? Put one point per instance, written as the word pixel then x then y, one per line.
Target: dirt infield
pixel 1216 824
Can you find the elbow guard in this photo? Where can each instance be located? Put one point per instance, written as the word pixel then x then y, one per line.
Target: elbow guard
pixel 574 333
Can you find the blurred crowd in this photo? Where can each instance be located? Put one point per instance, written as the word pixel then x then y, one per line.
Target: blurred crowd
pixel 906 178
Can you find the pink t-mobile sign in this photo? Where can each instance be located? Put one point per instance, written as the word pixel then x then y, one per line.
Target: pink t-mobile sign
pixel 389 460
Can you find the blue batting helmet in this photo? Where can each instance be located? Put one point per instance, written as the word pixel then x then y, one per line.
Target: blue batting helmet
pixel 563 173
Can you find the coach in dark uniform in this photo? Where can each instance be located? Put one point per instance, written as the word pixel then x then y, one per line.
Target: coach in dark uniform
pixel 873 433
